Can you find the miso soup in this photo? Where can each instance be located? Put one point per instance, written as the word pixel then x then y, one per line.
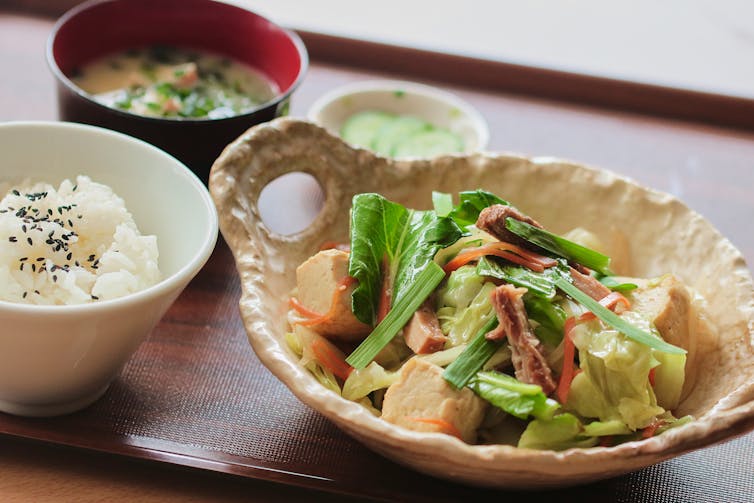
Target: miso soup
pixel 171 82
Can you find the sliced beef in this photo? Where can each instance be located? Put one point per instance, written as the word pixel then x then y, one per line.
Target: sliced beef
pixel 422 334
pixel 526 349
pixel 589 285
pixel 492 220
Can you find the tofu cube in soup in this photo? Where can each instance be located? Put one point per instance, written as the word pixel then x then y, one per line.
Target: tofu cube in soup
pixel 421 400
pixel 323 288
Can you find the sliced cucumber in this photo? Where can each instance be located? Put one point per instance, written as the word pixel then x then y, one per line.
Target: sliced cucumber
pixel 393 132
pixel 428 143
pixel 361 128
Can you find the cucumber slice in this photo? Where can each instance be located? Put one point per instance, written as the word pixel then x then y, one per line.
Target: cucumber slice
pixel 393 132
pixel 429 143
pixel 361 128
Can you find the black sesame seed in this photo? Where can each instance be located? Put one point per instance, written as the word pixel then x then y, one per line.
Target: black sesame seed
pixel 36 291
pixel 40 259
pixel 24 295
pixel 28 240
pixel 13 239
pixel 15 192
pixel 23 259
pixel 69 256
pixel 54 278
pixel 94 297
pixel 33 267
pixel 23 227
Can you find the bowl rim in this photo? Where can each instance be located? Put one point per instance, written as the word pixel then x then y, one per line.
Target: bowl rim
pixel 71 86
pixel 331 97
pixel 166 284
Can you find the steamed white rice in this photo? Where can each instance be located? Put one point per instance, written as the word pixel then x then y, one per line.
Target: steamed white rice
pixel 71 245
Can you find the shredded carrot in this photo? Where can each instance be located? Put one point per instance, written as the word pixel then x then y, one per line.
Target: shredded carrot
pixel 652 376
pixel 445 426
pixel 569 354
pixel 301 309
pixel 650 430
pixel 510 252
pixel 612 300
pixel 315 318
pixel 609 301
pixel 331 358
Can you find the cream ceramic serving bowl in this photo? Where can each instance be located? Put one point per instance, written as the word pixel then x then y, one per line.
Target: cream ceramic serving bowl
pixel 57 359
pixel 671 238
pixel 439 108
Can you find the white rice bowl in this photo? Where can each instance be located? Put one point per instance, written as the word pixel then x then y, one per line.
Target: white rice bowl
pixel 73 244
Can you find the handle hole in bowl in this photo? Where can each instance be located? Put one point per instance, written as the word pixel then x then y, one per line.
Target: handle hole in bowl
pixel 290 203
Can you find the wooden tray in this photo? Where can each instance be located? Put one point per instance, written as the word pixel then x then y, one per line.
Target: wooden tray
pixel 195 395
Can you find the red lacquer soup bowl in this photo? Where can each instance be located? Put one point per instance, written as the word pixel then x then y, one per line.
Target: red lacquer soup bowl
pixel 98 28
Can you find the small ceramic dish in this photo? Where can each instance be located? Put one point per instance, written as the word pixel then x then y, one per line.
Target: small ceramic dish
pixel 437 107
pixel 98 28
pixel 55 359
pixel 670 238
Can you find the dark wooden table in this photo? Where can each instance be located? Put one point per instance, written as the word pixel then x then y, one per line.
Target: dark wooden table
pixel 159 434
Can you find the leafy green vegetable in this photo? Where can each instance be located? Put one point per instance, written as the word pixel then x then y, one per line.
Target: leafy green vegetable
pixel 561 432
pixel 476 354
pixel 541 284
pixel 405 241
pixel 605 428
pixel 550 318
pixel 464 305
pixel 443 203
pixel 423 285
pixel 560 246
pixel 361 382
pixel 615 321
pixel 613 384
pixel 471 203
pixel 617 286
pixel 514 397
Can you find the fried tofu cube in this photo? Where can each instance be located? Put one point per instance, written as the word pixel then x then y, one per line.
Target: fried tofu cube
pixel 670 306
pixel 320 282
pixel 421 400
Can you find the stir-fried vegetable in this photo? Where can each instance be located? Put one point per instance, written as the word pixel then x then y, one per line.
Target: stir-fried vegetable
pixel 614 376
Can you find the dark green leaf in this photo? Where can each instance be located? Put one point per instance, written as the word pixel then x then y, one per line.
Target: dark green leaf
pixel 425 283
pixel 541 284
pixel 550 317
pixel 560 246
pixel 471 203
pixel 388 239
pixel 473 358
pixel 617 286
pixel 514 397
